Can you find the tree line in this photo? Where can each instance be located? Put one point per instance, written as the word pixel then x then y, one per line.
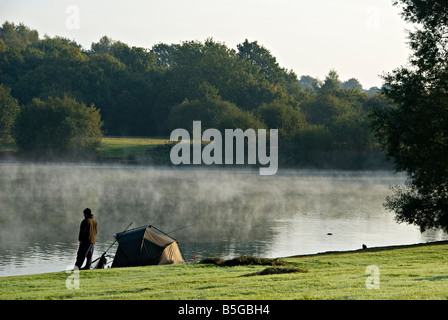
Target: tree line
pixel 149 92
pixel 116 89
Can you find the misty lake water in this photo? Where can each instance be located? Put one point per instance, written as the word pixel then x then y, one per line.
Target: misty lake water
pixel 212 213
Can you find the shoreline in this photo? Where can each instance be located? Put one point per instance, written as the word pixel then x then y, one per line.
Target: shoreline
pixel 159 156
pixel 372 249
pixel 318 254
pixel 404 272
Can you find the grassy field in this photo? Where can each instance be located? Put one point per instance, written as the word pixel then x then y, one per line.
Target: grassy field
pixel 113 147
pixel 124 147
pixel 416 272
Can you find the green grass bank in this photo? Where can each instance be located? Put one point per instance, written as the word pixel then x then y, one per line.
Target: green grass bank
pixel 402 273
pixel 128 147
pixel 143 150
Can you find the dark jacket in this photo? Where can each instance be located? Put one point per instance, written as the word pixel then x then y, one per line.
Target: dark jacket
pixel 88 230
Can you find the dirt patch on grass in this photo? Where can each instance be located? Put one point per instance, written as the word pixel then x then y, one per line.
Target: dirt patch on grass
pixel 243 261
pixel 274 270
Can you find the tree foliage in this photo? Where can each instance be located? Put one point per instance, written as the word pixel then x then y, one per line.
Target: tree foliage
pixel 57 128
pixel 414 131
pixel 148 92
pixel 9 109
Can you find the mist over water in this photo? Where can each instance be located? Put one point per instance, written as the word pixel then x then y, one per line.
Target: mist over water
pixel 223 213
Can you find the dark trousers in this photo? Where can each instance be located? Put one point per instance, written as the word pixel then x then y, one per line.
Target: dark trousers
pixel 85 250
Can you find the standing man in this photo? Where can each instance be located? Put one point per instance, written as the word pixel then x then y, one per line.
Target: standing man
pixel 87 235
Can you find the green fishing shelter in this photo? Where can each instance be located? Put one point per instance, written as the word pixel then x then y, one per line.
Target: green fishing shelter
pixel 146 246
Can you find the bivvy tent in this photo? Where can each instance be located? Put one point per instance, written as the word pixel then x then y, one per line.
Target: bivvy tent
pixel 146 246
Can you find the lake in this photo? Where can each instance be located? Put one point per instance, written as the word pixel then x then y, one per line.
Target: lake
pixel 211 212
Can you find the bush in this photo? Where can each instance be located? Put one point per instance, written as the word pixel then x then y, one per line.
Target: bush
pixel 242 261
pixel 9 109
pixel 58 127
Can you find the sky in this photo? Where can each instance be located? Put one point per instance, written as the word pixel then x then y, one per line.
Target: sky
pixel 360 39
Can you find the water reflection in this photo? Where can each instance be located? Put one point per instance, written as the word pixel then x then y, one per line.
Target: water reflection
pixel 211 212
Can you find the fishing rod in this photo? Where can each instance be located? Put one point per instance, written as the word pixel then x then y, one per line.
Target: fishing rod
pixel 179 229
pixel 111 244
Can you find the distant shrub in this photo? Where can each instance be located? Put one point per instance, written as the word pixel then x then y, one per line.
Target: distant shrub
pixel 58 127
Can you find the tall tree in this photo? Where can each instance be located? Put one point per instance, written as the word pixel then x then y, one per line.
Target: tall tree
pixel 18 36
pixel 331 82
pixel 415 132
pixel 352 84
pixel 309 83
pixel 262 59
